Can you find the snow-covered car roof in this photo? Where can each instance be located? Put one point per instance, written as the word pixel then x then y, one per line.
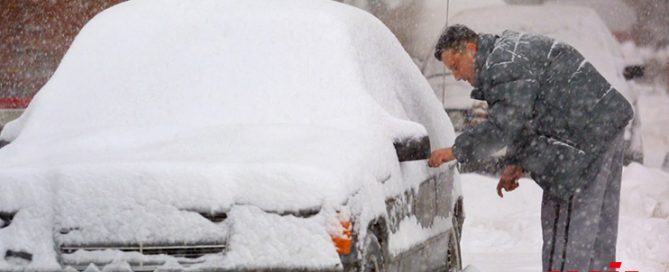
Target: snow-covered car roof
pixel 580 27
pixel 164 106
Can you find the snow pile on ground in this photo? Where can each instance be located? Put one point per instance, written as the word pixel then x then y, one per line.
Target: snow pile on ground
pixel 165 108
pixel 643 241
pixel 654 113
pixel 504 234
pixel 501 234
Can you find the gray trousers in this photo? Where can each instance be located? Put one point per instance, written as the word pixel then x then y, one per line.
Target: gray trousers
pixel 580 234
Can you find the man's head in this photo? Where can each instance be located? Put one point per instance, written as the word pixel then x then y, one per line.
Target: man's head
pixel 456 49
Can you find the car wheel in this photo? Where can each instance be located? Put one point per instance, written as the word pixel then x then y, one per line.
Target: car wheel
pixel 373 259
pixel 453 257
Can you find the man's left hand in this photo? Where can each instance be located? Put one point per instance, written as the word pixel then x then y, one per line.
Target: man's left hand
pixel 509 179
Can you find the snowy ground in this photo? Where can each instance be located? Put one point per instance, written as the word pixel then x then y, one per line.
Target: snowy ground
pixel 654 110
pixel 504 234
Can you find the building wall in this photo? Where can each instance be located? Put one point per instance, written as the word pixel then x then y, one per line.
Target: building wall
pixel 34 35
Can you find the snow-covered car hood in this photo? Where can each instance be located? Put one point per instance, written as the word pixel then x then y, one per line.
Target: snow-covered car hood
pixel 209 169
pixel 98 190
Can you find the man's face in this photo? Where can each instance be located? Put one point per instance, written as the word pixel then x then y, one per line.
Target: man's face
pixel 461 63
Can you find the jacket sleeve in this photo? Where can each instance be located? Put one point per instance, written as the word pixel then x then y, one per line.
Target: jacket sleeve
pixel 513 152
pixel 510 109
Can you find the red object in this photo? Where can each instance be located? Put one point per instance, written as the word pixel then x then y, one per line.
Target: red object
pixel 342 241
pixel 615 264
pixel 14 103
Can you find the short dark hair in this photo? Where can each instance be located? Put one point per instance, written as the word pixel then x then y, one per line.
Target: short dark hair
pixel 454 37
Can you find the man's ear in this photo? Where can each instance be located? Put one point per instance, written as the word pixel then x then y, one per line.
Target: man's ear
pixel 443 56
pixel 471 47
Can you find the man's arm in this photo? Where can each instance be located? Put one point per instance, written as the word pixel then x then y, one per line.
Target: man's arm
pixel 511 107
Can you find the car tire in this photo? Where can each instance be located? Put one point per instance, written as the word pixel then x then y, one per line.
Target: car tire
pixel 373 259
pixel 453 257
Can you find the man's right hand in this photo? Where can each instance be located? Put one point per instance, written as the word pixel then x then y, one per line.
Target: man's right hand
pixel 441 156
pixel 509 179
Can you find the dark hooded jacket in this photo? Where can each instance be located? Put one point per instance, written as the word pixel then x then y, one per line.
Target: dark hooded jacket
pixel 552 109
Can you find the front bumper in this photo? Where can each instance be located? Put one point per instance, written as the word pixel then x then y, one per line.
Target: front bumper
pixel 256 241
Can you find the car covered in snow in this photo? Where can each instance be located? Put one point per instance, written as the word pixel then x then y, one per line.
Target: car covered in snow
pixel 230 135
pixel 580 27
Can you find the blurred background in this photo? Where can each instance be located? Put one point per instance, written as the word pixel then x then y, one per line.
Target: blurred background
pixel 36 34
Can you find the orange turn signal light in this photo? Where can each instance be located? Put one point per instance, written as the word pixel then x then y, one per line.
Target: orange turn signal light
pixel 342 241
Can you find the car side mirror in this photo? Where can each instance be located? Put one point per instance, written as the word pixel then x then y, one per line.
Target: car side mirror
pixel 633 71
pixel 413 149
